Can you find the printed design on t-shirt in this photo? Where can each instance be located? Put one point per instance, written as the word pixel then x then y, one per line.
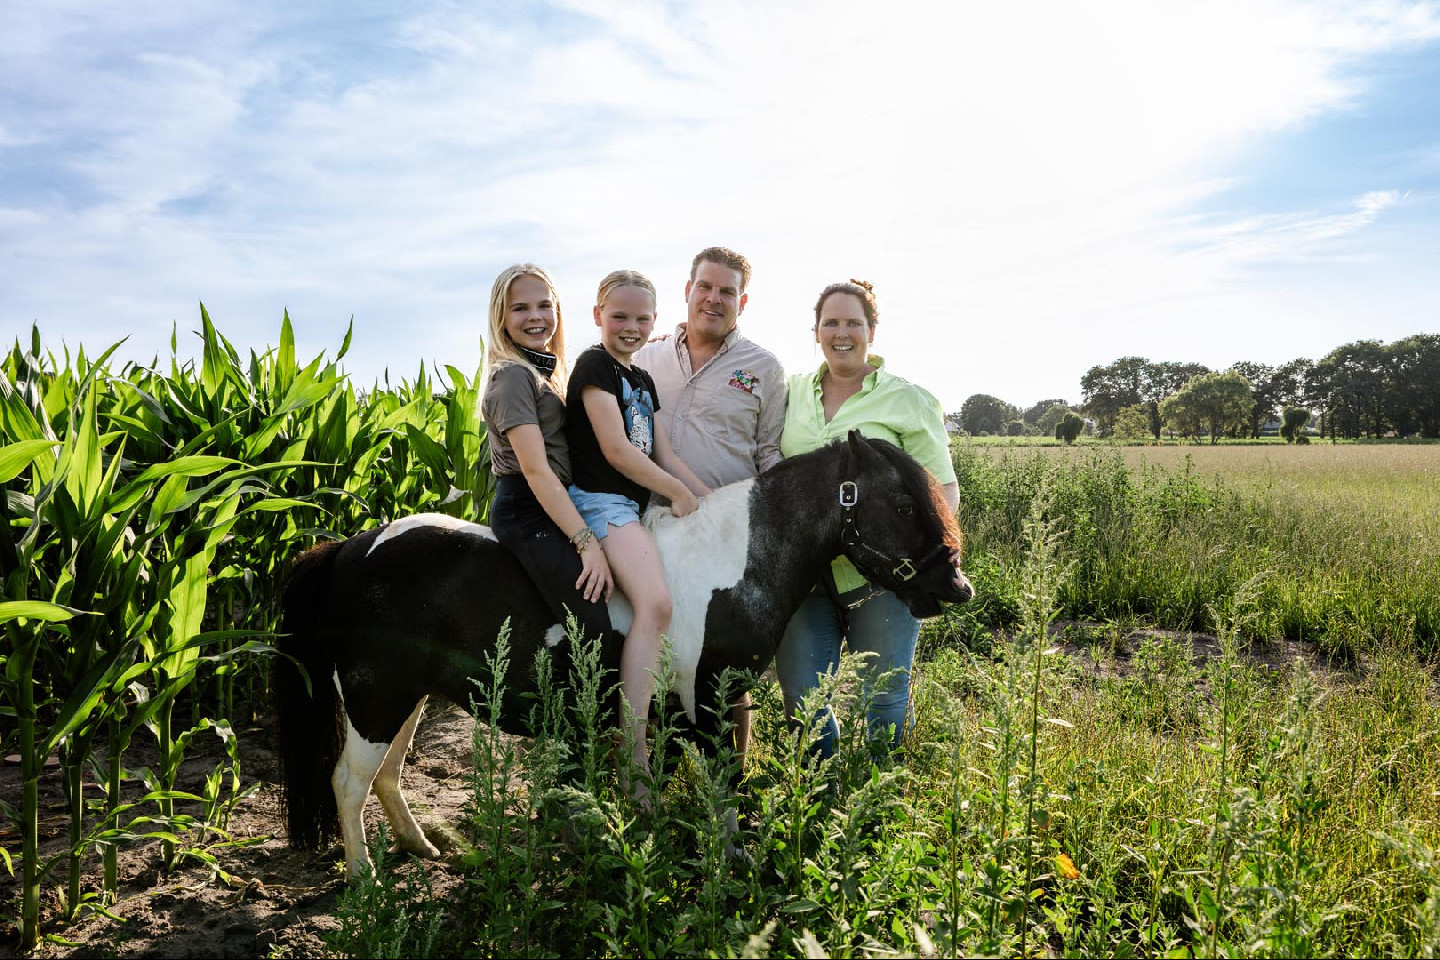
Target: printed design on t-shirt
pixel 639 410
pixel 744 380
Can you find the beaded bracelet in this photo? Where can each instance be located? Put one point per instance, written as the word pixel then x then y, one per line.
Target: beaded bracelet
pixel 581 539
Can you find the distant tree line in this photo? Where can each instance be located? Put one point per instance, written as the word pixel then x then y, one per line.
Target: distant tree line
pixel 1362 389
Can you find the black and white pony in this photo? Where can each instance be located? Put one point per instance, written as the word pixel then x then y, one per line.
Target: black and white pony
pixel 412 608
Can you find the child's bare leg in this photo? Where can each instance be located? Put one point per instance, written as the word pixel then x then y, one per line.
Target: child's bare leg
pixel 636 565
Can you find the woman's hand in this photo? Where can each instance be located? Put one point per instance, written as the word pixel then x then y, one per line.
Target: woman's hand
pixel 596 582
pixel 688 503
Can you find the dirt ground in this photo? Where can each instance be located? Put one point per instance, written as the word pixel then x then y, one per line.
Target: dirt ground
pixel 277 902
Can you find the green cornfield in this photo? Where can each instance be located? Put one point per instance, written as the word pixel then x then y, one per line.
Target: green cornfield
pixel 147 517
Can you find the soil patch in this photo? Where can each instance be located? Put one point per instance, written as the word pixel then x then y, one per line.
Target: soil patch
pixel 262 899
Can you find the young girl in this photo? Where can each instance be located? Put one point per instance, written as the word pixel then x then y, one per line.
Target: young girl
pixel 532 514
pixel 620 455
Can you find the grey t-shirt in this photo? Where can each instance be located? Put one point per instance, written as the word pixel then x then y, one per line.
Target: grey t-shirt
pixel 514 396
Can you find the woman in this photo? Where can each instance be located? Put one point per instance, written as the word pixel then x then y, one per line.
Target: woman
pixel 532 514
pixel 852 390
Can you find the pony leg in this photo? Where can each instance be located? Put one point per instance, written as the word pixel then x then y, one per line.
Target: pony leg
pixel 408 834
pixel 351 779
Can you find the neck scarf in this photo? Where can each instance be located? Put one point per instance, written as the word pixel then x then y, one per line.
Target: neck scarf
pixel 544 362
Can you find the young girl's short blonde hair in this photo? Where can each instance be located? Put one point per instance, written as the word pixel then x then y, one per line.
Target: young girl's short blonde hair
pixel 624 278
pixel 500 349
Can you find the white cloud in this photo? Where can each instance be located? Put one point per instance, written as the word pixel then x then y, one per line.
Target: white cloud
pixel 1008 175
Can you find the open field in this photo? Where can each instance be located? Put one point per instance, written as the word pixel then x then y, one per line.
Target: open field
pixel 1344 540
pixel 1379 480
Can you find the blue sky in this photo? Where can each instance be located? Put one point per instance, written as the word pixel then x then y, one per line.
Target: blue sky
pixel 1032 188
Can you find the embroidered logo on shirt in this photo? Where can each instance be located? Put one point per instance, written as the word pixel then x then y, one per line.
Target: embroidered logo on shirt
pixel 744 380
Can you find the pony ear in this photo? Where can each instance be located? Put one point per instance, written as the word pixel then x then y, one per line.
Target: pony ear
pixel 860 450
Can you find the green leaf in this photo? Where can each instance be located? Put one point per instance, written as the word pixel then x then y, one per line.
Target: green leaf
pixel 212 372
pixel 285 359
pixel 38 610
pixel 196 465
pixel 345 346
pixel 432 455
pixel 275 504
pixel 15 457
pixel 87 695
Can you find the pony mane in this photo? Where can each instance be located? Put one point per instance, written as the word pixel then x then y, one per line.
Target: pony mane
pixel 921 484
pixel 918 482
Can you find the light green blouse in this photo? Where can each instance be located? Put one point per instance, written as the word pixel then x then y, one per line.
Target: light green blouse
pixel 886 408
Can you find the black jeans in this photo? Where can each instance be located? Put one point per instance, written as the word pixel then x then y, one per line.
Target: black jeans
pixel 523 527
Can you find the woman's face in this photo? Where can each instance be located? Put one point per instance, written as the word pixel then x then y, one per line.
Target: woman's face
pixel 530 312
pixel 842 332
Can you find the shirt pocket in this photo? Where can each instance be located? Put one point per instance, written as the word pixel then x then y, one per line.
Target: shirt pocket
pixel 735 412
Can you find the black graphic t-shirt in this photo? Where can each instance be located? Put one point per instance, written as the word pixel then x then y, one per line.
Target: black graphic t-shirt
pixel 635 394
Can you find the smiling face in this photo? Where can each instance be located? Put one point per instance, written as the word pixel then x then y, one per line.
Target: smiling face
pixel 843 333
pixel 530 312
pixel 715 302
pixel 625 319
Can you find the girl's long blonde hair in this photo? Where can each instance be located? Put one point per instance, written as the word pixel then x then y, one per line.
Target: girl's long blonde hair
pixel 500 349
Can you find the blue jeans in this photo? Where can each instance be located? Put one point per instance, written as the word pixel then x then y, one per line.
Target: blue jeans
pixel 811 649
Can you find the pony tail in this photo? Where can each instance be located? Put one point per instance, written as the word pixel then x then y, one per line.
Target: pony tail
pixel 309 714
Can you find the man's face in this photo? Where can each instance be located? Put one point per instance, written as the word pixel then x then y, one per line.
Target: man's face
pixel 714 300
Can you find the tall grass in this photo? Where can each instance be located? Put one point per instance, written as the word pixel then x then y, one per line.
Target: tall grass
pixel 1348 564
pixel 1068 794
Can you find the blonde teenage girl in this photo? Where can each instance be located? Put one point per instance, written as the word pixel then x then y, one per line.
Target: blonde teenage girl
pixel 532 514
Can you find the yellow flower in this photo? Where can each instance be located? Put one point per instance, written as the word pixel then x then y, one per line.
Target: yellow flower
pixel 1066 867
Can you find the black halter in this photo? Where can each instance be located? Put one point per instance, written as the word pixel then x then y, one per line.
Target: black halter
pixel 900 569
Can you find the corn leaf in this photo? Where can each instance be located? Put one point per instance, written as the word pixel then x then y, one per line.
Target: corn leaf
pixel 15 457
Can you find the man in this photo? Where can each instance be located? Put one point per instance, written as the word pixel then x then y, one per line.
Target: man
pixel 722 397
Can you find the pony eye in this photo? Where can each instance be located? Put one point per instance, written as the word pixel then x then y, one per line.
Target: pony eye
pixel 905 506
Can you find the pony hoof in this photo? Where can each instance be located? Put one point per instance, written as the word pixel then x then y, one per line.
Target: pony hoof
pixel 357 872
pixel 421 848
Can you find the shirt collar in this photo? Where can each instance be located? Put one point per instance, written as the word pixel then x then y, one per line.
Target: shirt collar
pixel 731 338
pixel 872 379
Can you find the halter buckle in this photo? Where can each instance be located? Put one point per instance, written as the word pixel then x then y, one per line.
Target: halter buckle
pixel 905 570
pixel 851 496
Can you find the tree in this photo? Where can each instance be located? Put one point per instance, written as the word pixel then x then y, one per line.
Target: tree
pixel 1132 422
pixel 1131 380
pixel 1047 422
pixel 1160 381
pixel 1212 402
pixel 984 414
pixel 1266 386
pixel 1354 378
pixel 1293 429
pixel 1291 383
pixel 1415 367
pixel 1034 415
pixel 1108 388
pixel 1069 427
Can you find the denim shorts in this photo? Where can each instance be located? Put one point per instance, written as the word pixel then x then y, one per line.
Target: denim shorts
pixel 601 511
